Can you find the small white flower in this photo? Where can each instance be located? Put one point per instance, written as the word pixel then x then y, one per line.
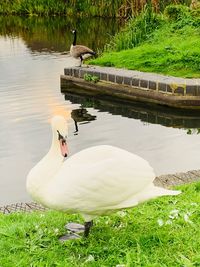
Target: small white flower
pixel 174 211
pixel 186 218
pixel 56 230
pixel 107 221
pixel 89 258
pixel 168 222
pixel 174 214
pixel 160 222
pixel 121 213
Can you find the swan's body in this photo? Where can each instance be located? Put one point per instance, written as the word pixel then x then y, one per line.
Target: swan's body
pixel 95 181
pixel 80 51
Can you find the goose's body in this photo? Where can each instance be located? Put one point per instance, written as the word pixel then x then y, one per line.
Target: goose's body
pixel 95 181
pixel 81 115
pixel 80 51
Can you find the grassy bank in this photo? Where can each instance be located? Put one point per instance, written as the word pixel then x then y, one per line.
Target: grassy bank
pixel 162 232
pixel 105 8
pixel 166 43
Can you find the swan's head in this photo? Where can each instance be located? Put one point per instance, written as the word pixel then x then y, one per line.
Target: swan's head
pixel 60 131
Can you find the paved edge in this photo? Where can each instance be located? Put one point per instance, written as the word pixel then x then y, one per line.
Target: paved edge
pixel 160 89
pixel 169 180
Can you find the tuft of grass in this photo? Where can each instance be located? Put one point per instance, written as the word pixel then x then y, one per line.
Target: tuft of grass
pixel 161 232
pixel 137 30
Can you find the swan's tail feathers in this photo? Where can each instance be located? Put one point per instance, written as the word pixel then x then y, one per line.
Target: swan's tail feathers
pixel 166 192
pixel 154 191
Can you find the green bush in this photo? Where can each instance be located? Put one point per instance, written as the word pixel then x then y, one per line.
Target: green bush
pixel 177 12
pixel 181 16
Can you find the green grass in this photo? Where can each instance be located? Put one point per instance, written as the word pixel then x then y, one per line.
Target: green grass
pixel 172 53
pixel 166 44
pixel 162 232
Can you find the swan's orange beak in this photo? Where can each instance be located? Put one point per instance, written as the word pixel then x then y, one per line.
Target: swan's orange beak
pixel 63 147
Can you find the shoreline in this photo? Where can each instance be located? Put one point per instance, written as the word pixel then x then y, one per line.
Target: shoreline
pixel 132 85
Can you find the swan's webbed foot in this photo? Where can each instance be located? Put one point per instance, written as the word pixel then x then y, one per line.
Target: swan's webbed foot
pixel 69 236
pixel 74 229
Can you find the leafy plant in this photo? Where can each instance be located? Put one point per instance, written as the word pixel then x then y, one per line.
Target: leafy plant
pixel 91 78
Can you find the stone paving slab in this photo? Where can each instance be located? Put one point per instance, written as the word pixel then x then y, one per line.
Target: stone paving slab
pixel 177 178
pixel 21 207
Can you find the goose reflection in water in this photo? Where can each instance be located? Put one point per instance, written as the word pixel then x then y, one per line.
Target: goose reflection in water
pixel 81 115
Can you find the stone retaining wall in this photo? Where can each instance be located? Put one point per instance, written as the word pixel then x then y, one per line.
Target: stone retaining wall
pixel 162 83
pixel 160 89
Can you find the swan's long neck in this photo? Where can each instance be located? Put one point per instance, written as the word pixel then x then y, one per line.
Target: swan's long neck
pixel 43 172
pixel 74 42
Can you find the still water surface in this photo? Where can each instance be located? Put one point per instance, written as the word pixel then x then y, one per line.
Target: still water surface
pixel 32 57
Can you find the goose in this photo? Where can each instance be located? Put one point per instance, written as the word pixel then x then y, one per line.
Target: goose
pixel 96 181
pixel 81 115
pixel 80 51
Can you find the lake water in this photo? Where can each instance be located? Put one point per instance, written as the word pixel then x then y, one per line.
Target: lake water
pixel 32 57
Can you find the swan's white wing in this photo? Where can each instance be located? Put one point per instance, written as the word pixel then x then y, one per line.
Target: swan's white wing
pixel 100 178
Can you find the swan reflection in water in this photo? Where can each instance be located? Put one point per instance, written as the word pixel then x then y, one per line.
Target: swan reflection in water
pixel 82 116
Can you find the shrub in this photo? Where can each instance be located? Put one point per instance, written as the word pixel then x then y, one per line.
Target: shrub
pixel 177 12
pixel 180 16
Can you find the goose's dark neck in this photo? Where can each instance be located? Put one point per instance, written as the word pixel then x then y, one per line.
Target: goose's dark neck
pixel 74 42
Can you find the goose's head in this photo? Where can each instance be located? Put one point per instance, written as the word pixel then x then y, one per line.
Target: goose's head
pixel 60 131
pixel 73 31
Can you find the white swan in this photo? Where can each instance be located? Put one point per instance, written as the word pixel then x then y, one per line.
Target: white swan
pixel 95 181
